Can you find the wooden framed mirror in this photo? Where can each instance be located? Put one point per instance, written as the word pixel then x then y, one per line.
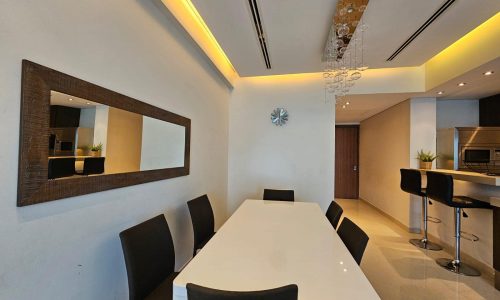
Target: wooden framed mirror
pixel 79 138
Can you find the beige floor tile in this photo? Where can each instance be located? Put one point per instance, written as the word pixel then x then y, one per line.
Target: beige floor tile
pixel 398 270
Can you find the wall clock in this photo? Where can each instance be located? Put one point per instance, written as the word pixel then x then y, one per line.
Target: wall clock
pixel 279 116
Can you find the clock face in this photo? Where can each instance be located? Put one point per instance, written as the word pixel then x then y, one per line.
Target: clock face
pixel 279 116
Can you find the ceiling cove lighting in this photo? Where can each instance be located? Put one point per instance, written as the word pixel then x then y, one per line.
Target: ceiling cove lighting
pixel 188 16
pixel 488 73
pixel 462 84
pixel 343 54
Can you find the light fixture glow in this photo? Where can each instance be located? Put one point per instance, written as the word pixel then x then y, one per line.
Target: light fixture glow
pixel 461 84
pixel 488 73
pixel 343 106
pixel 88 103
pixel 347 103
pixel 440 92
pixel 70 99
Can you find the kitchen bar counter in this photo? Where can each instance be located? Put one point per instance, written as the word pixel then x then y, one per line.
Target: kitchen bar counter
pixel 468 176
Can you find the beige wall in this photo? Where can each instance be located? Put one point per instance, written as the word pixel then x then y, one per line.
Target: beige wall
pixel 384 149
pixel 124 142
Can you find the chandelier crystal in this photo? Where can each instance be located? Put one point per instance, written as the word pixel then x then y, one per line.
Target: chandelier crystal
pixel 344 53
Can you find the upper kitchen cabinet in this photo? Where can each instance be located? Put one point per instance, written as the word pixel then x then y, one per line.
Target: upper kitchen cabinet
pixel 489 111
pixel 64 116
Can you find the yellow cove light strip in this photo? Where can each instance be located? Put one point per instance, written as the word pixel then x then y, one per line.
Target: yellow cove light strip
pixel 188 16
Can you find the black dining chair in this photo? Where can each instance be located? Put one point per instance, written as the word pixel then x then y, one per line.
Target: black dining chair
pixel 202 218
pixel 279 195
pixel 150 259
pixel 287 292
pixel 333 213
pixel 93 165
pixel 354 238
pixel 61 167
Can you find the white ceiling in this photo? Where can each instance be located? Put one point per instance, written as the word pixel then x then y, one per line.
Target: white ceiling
pixel 477 86
pixel 57 98
pixel 296 31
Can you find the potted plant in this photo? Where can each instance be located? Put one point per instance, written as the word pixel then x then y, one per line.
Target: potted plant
pixel 96 150
pixel 426 159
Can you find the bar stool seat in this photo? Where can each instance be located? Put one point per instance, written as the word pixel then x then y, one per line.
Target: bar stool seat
pixel 440 188
pixel 468 202
pixel 411 182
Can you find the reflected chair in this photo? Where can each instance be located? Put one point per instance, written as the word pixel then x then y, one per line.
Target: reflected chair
pixel 440 188
pixel 278 195
pixel 61 167
pixel 333 213
pixel 93 165
pixel 411 182
pixel 287 292
pixel 354 238
pixel 150 258
pixel 202 218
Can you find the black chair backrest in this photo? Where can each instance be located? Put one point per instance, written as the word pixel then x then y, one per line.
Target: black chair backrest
pixel 93 165
pixel 287 292
pixel 411 181
pixel 61 167
pixel 440 187
pixel 280 195
pixel 202 217
pixel 149 256
pixel 354 238
pixel 333 213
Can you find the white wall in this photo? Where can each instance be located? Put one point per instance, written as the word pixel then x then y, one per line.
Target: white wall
pixel 298 156
pixel 422 137
pixel 69 249
pixel 101 127
pixel 87 117
pixel 162 144
pixel 457 113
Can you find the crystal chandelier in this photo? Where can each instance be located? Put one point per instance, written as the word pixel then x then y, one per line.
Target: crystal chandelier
pixel 343 56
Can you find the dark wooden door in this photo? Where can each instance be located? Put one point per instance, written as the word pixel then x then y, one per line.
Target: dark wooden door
pixel 346 161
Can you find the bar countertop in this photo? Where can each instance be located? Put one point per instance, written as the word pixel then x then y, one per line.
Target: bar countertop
pixel 468 176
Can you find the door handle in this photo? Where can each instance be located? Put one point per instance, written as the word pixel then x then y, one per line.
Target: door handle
pixel 355 168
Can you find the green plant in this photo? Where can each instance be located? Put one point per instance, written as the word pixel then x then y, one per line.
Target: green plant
pixel 426 156
pixel 97 147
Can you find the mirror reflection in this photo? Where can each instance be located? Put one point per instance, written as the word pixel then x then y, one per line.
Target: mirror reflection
pixel 87 138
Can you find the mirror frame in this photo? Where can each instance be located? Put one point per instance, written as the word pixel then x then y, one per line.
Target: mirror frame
pixel 34 187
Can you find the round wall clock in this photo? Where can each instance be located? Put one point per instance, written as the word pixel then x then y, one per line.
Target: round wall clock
pixel 279 116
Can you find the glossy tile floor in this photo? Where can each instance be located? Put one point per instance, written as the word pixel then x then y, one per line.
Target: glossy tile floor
pixel 398 270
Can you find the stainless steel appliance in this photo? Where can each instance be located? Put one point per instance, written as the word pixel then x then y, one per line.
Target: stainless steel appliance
pixel 474 149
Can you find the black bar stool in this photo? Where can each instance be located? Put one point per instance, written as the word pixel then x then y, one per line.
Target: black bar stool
pixel 411 182
pixel 440 188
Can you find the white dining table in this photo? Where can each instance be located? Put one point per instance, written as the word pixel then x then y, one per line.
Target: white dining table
pixel 267 244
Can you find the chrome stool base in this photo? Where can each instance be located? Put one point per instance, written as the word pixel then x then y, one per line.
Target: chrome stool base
pixel 459 268
pixel 425 244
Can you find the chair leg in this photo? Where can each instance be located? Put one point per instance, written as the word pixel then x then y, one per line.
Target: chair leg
pixel 456 265
pixel 424 242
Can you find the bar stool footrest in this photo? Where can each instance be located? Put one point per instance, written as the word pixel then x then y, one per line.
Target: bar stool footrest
pixel 433 219
pixel 458 268
pixel 469 236
pixel 425 244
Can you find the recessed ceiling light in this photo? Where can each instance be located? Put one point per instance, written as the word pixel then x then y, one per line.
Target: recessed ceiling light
pixel 461 84
pixel 440 92
pixel 488 73
pixel 343 106
pixel 347 103
pixel 70 99
pixel 88 103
